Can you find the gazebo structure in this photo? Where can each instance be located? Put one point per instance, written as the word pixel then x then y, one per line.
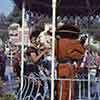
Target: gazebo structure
pixel 78 9
pixel 64 7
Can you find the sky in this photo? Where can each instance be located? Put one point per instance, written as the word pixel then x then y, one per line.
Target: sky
pixel 6 6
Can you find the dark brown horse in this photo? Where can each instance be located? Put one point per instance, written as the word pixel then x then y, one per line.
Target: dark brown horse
pixel 68 51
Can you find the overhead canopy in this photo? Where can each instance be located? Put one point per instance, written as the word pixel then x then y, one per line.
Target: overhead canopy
pixel 40 6
pixel 64 7
pixel 79 7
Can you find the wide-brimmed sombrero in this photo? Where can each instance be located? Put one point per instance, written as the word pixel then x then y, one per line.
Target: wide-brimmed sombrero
pixel 68 31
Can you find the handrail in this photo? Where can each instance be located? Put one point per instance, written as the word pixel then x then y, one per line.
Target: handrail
pixel 32 84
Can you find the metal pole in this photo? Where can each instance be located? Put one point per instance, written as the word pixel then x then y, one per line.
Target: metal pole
pixel 60 89
pixel 84 89
pixel 89 95
pixel 80 90
pixel 53 46
pixel 11 57
pixel 89 80
pixel 76 21
pixel 70 89
pixel 22 47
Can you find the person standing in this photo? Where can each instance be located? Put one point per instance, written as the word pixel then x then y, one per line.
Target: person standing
pixel 2 64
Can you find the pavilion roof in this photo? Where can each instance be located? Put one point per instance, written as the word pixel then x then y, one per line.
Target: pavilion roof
pixel 64 7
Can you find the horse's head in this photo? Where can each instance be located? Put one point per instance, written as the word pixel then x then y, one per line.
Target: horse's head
pixel 67 31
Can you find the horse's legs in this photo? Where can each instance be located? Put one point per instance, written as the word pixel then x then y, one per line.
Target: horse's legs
pixel 64 90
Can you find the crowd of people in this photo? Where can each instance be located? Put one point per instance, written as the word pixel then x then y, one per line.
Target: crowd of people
pixel 37 59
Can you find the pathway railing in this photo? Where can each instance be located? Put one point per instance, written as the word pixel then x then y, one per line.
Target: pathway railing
pixel 35 88
pixel 82 89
